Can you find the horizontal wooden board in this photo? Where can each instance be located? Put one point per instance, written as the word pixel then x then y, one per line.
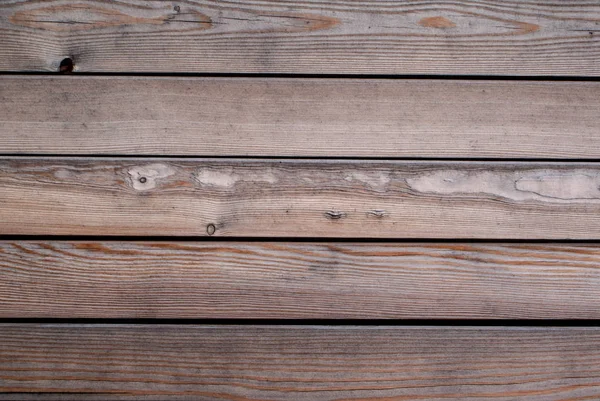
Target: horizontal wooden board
pixel 59 279
pixel 292 117
pixel 245 363
pixel 295 198
pixel 491 37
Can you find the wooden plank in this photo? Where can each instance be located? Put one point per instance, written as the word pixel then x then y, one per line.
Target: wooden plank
pixel 291 117
pixel 492 37
pixel 169 280
pixel 293 362
pixel 299 198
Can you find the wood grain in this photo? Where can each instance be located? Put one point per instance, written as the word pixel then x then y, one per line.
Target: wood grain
pixel 299 198
pixel 169 280
pixel 489 37
pixel 242 363
pixel 291 117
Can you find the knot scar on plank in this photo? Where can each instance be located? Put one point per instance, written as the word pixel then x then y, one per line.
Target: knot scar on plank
pixel 334 214
pixel 66 65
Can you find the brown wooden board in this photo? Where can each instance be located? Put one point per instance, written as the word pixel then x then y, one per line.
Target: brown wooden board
pixel 299 117
pixel 493 37
pixel 257 280
pixel 242 363
pixel 298 198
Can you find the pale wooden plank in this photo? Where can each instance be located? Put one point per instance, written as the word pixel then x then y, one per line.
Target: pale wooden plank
pixel 490 37
pixel 255 280
pixel 295 198
pixel 298 363
pixel 291 117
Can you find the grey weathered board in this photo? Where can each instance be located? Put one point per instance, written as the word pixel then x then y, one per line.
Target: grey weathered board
pixel 491 37
pixel 243 363
pixel 326 280
pixel 299 117
pixel 111 184
pixel 296 198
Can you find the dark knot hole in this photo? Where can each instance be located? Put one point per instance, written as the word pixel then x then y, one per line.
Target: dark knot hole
pixel 66 65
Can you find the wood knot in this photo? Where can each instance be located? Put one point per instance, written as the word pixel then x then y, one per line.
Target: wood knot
pixel 66 65
pixel 147 177
pixel 377 213
pixel 437 22
pixel 210 229
pixel 334 214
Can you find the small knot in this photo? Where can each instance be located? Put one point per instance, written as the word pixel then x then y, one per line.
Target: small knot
pixel 377 213
pixel 66 65
pixel 210 229
pixel 334 214
pixel 143 180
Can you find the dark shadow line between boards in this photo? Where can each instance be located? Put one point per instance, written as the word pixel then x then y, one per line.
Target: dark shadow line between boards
pixel 316 240
pixel 456 77
pixel 448 323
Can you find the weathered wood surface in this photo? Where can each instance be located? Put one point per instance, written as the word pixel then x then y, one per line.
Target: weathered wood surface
pixel 298 280
pixel 292 117
pixel 242 363
pixel 288 198
pixel 491 37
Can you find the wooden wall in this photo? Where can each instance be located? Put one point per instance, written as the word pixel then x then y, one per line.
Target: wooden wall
pixel 254 200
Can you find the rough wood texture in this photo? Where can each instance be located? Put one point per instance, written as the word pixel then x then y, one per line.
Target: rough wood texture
pixel 243 363
pixel 286 198
pixel 298 280
pixel 492 37
pixel 291 117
